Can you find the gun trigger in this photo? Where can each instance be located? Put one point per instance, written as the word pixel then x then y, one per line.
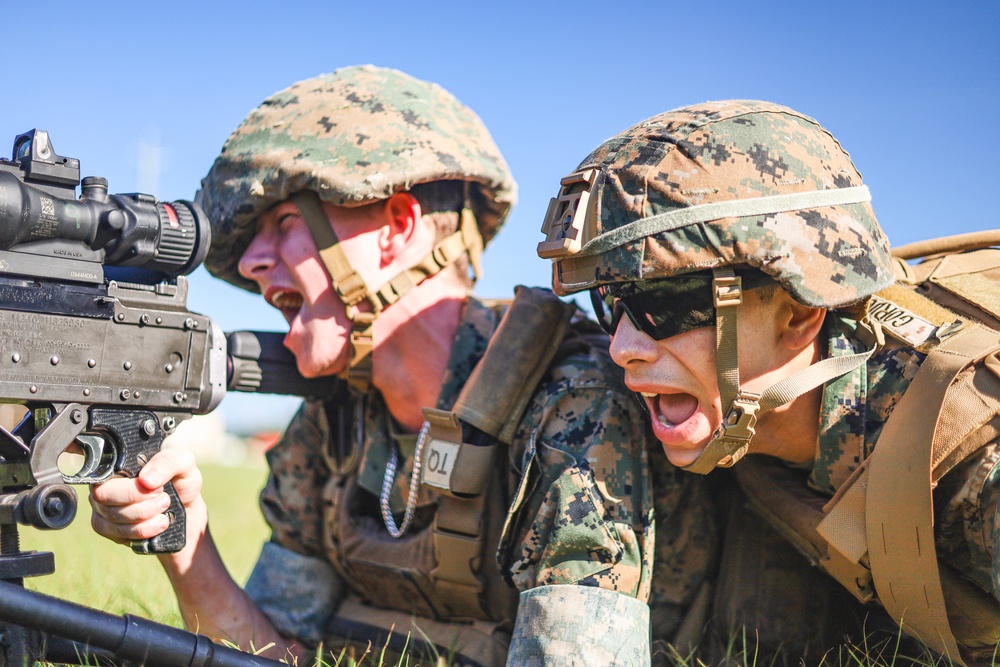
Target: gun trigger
pixel 93 450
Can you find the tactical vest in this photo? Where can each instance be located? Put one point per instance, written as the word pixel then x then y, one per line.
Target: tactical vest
pixel 876 535
pixel 437 588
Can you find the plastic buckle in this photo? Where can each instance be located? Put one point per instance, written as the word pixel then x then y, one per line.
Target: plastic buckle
pixel 727 291
pixel 741 419
pixel 566 216
pixel 455 554
pixel 351 288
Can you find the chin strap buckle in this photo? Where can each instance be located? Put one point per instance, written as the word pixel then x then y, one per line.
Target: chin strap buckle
pixel 738 427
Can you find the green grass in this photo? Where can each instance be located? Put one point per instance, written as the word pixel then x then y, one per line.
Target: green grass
pixel 94 571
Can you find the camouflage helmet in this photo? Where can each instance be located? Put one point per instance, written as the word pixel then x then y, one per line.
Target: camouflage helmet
pixel 712 187
pixel 355 136
pixel 736 182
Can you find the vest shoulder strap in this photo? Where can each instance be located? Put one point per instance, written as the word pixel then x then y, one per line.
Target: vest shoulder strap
pixel 497 393
pixel 520 352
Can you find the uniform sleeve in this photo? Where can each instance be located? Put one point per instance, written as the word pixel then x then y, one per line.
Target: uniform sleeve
pixel 292 499
pixel 583 513
pixel 580 626
pixel 299 594
pixel 967 503
pixel 292 582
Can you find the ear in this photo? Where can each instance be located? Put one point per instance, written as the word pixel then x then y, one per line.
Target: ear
pixel 400 224
pixel 800 325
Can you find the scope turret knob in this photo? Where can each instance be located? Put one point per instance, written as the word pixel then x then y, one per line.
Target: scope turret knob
pixel 94 188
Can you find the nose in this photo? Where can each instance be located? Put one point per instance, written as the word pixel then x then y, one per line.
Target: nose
pixel 258 258
pixel 630 345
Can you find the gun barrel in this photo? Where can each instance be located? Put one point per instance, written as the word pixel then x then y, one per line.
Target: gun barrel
pixel 135 639
pixel 259 362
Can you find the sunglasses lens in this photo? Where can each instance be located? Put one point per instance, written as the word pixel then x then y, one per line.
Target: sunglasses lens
pixel 659 308
pixel 664 307
pixel 661 314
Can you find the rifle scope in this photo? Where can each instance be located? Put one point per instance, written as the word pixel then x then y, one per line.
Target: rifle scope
pixel 40 214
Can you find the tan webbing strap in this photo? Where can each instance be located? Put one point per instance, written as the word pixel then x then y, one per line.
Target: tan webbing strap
pixel 473 240
pixel 443 255
pixel 727 294
pixel 346 281
pixel 351 287
pixel 899 505
pixel 348 285
pixel 843 528
pixel 458 551
pixel 731 441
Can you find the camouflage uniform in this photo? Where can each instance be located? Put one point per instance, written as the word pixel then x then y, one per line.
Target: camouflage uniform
pixel 579 530
pixel 759 187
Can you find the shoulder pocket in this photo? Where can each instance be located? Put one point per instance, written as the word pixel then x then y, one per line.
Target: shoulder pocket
pixel 567 539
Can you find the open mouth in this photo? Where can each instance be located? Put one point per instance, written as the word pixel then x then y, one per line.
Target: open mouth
pixel 671 410
pixel 288 302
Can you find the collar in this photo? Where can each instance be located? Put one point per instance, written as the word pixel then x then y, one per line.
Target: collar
pixel 856 406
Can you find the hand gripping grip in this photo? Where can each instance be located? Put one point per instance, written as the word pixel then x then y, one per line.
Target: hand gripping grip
pixel 137 436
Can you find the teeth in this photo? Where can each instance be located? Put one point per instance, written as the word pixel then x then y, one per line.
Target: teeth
pixel 287 300
pixel 648 394
pixel 663 420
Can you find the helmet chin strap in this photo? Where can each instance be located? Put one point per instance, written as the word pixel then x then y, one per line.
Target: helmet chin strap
pixel 731 440
pixel 351 289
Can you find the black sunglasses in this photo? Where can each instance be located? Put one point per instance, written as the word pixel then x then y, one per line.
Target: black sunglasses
pixel 664 307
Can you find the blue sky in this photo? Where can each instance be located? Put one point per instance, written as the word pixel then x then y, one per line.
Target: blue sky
pixel 145 95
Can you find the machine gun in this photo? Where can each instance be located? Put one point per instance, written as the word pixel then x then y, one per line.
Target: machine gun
pixel 96 341
pixel 95 337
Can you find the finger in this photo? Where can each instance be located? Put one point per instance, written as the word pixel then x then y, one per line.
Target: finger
pixel 167 465
pixel 137 512
pixel 119 491
pixel 126 533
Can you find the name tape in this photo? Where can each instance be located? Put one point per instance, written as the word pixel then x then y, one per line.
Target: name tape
pixel 901 323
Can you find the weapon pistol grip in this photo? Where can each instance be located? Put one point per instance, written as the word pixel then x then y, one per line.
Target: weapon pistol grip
pixel 137 434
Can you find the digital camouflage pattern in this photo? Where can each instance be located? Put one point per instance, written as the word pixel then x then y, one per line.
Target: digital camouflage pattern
pixel 557 620
pixel 355 136
pixel 723 151
pixel 583 514
pixel 872 390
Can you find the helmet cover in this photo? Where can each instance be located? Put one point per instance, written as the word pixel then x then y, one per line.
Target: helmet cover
pixel 355 136
pixel 729 157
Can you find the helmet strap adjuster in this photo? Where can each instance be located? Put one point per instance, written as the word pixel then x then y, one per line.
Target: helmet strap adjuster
pixel 727 290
